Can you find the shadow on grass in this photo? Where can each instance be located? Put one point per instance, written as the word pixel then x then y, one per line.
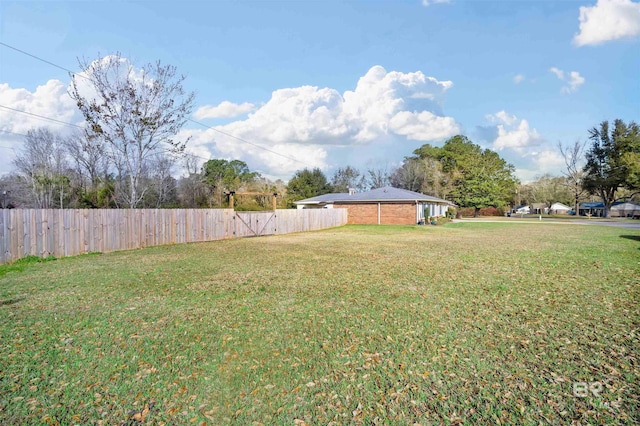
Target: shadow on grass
pixel 631 237
pixel 12 301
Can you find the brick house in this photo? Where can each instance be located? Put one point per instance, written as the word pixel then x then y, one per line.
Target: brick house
pixel 382 206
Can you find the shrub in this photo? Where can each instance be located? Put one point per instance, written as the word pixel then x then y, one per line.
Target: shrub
pixel 451 212
pixel 250 205
pixel 443 220
pixel 485 211
pixel 489 211
pixel 467 211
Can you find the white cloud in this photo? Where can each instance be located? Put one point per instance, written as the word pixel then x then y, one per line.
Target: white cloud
pixel 574 80
pixel 502 117
pixel 538 163
pixel 430 2
pixel 521 146
pixel 558 72
pixel 48 100
pixel 423 126
pixel 608 20
pixel 225 109
pixel 513 133
pixel 518 78
pixel 316 126
pixel 277 161
pixel 312 124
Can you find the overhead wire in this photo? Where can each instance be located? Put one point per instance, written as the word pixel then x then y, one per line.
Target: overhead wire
pixel 38 58
pixel 247 142
pixel 41 117
pixel 13 133
pixel 72 125
pixel 189 119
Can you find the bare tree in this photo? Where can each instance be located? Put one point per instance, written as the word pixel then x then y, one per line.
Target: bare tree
pixel 377 178
pixel 134 113
pixel 346 178
pixel 89 156
pixel 547 189
pixel 573 156
pixel 437 183
pixel 192 191
pixel 42 164
pixel 411 175
pixel 162 186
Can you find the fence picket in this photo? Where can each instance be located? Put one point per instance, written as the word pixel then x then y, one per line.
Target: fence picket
pixel 76 231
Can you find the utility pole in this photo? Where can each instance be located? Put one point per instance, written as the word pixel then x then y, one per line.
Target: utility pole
pixel 5 196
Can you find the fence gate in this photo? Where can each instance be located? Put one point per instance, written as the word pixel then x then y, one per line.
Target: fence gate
pixel 254 224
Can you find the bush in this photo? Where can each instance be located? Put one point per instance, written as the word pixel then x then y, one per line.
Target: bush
pixel 451 213
pixel 485 211
pixel 490 211
pixel 443 220
pixel 250 205
pixel 467 212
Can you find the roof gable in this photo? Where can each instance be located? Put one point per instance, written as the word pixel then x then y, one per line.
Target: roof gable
pixel 559 206
pixel 384 194
pixel 322 198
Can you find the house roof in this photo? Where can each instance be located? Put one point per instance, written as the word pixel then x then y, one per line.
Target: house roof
pixel 559 206
pixel 600 205
pixel 385 194
pixel 592 205
pixel 323 198
pixel 625 205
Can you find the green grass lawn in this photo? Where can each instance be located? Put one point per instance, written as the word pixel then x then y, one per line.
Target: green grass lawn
pixel 473 323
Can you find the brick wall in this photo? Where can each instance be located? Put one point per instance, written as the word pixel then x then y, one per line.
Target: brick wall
pixel 390 214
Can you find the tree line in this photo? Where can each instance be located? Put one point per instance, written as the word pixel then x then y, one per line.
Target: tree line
pixel 459 171
pixel 127 156
pixel 52 171
pixel 606 168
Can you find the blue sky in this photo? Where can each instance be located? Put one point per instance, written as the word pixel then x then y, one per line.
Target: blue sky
pixel 349 82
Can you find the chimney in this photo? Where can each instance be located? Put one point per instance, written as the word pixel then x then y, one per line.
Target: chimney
pixel 352 191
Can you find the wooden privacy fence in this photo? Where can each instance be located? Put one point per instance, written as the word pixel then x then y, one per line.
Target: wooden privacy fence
pixel 70 232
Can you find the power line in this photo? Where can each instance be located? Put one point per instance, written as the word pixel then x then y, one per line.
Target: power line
pixel 13 133
pixel 41 116
pixel 40 59
pixel 57 121
pixel 71 124
pixel 191 120
pixel 65 123
pixel 247 142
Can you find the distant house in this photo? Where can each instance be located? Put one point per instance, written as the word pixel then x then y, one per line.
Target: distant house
pixel 383 206
pixel 591 209
pixel 618 209
pixel 539 208
pixel 559 208
pixel 625 209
